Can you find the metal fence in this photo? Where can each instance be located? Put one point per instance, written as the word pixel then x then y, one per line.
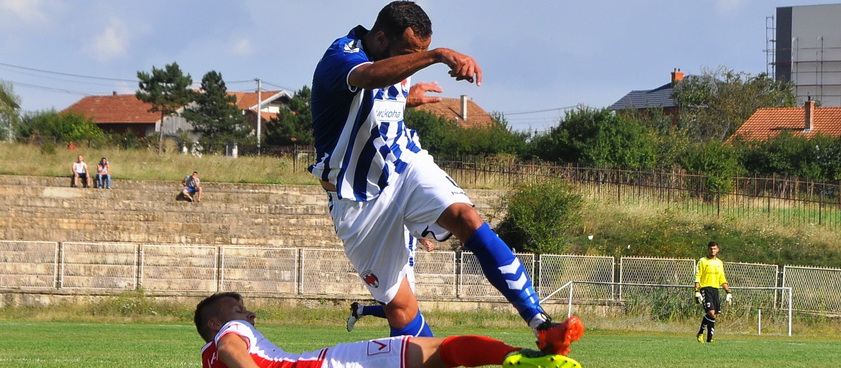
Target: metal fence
pixel 786 200
pixel 449 276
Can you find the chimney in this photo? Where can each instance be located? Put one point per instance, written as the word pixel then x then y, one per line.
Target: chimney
pixel 677 76
pixel 809 106
pixel 464 107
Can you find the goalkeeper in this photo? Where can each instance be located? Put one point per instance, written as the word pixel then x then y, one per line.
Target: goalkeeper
pixel 709 278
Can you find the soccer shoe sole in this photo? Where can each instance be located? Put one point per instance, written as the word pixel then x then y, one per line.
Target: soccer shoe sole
pixel 557 339
pixel 545 361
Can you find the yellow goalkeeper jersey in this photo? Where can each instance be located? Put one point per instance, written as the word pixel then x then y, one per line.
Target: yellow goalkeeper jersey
pixel 710 273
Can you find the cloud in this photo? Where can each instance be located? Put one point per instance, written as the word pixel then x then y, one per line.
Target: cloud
pixel 729 7
pixel 112 43
pixel 241 47
pixel 28 11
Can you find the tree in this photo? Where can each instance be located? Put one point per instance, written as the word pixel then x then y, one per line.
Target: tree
pixel 715 104
pixel 167 90
pixel 9 105
pixel 597 137
pixel 215 116
pixel 61 127
pixel 292 125
pixel 443 137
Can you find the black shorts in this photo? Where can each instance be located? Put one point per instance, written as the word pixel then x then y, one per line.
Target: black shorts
pixel 711 300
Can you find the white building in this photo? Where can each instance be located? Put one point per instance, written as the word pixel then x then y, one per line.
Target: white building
pixel 807 51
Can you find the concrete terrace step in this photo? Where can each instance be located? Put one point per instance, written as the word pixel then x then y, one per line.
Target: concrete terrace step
pixel 146 212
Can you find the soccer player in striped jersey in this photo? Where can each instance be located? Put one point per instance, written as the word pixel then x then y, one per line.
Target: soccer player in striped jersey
pixel 708 279
pixel 227 327
pixel 379 181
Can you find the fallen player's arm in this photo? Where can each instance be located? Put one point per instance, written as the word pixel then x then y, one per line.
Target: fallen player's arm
pixel 233 350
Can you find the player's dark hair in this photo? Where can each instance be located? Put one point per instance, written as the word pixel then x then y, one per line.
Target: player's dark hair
pixel 206 309
pixel 395 17
pixel 712 244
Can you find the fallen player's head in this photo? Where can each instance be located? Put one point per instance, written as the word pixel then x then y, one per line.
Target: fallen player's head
pixel 218 309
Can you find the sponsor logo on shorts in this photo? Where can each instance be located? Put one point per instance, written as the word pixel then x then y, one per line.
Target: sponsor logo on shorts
pixel 370 279
pixel 376 347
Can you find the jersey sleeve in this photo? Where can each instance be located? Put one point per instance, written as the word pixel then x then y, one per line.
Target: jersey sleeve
pixel 240 329
pixel 698 270
pixel 722 278
pixel 339 60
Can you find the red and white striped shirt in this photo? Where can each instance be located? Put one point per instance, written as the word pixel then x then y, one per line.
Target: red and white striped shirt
pixel 264 353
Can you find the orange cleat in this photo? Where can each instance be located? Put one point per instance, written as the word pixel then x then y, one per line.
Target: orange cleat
pixel 555 338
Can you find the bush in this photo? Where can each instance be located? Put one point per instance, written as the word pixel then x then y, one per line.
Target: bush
pixel 540 217
pixel 716 160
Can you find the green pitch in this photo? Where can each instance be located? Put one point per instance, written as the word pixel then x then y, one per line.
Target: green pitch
pixel 55 345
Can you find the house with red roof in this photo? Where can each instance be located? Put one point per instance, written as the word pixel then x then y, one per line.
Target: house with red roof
pixel 462 111
pixel 808 120
pixel 118 114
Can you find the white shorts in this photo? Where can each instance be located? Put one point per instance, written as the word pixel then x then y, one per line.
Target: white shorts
pixel 387 352
pixel 375 233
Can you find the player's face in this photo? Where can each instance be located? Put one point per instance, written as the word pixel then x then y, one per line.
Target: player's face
pixel 712 251
pixel 408 44
pixel 231 309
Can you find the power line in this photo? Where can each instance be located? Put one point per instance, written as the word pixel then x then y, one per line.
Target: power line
pixel 559 109
pixel 68 74
pixel 52 88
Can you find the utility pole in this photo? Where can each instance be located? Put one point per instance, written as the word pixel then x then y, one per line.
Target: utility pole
pixel 259 107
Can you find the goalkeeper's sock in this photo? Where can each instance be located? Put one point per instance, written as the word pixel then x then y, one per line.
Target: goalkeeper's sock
pixel 710 329
pixel 703 324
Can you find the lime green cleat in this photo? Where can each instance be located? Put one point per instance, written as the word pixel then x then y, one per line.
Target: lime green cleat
pixel 701 338
pixel 527 358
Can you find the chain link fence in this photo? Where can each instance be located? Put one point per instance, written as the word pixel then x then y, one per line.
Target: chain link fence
pixel 28 264
pixel 259 270
pixel 472 282
pixel 108 266
pixel 557 270
pixel 451 276
pixel 179 268
pixel 814 289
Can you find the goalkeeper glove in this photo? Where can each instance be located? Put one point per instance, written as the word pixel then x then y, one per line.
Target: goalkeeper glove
pixel 698 297
pixel 729 298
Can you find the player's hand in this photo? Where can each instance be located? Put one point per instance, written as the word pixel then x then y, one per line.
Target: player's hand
pixel 698 297
pixel 462 67
pixel 417 94
pixel 427 244
pixel 729 298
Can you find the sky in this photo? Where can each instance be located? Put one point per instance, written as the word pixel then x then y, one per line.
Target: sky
pixel 539 58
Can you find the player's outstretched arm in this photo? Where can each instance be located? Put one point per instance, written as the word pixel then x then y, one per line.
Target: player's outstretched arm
pixel 233 350
pixel 392 70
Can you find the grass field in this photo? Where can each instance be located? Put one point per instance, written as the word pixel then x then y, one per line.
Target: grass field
pixel 59 344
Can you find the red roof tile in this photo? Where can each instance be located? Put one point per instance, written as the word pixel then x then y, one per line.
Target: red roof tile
pixel 115 109
pixel 246 100
pixel 768 122
pixel 450 108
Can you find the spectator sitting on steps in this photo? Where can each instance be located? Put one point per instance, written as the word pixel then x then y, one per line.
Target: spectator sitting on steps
pixel 192 187
pixel 80 171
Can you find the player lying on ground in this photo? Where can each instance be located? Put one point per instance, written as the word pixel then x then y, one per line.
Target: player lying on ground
pixel 227 326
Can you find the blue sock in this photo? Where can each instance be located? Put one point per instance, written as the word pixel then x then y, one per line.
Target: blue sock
pixel 418 327
pixel 504 271
pixel 373 310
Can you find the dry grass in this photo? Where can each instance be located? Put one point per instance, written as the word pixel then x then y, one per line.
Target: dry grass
pixel 22 159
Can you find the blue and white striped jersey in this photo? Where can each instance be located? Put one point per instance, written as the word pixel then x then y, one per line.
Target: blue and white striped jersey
pixel 361 141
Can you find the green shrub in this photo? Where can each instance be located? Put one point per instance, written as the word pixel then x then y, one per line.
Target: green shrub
pixel 540 217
